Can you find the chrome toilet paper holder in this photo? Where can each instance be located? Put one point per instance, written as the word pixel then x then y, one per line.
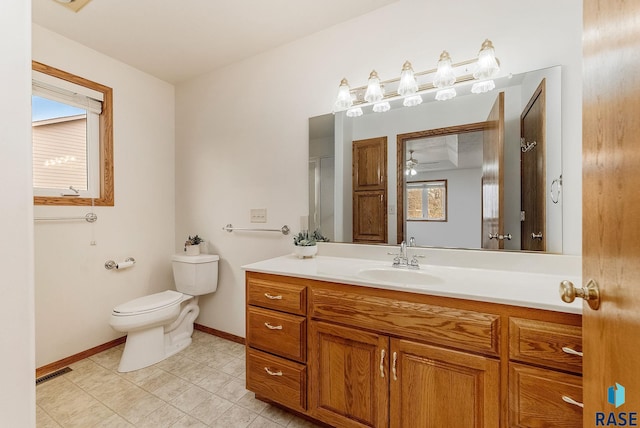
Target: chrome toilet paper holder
pixel 110 264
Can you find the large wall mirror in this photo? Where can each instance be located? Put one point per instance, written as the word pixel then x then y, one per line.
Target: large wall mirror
pixel 480 171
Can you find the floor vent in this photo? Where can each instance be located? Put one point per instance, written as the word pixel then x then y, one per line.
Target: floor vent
pixel 52 375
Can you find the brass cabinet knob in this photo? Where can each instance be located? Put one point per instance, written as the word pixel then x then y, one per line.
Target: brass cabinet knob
pixel 590 293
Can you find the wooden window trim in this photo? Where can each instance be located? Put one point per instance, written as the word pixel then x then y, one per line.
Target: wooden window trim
pixel 106 197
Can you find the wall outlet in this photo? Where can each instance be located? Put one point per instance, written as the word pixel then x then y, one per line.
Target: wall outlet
pixel 258 215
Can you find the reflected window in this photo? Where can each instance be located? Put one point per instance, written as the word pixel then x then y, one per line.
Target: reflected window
pixel 427 200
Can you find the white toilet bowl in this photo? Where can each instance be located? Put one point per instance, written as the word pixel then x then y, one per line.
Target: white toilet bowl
pixel 161 324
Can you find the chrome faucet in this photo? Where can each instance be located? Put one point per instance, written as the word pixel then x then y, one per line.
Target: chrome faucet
pixel 401 260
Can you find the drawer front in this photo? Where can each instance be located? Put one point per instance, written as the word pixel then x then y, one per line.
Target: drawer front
pixel 281 334
pixel 463 329
pixel 541 342
pixel 272 293
pixel 277 379
pixel 536 398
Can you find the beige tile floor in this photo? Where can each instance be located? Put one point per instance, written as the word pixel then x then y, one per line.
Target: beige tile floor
pixel 202 386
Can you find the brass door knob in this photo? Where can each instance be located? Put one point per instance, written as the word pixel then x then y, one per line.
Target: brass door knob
pixel 590 293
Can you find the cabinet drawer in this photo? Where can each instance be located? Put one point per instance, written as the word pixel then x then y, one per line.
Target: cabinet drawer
pixel 536 398
pixel 464 329
pixel 281 334
pixel 277 379
pixel 541 342
pixel 267 292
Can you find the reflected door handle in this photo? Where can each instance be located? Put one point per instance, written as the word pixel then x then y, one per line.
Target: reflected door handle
pixel 536 236
pixel 590 293
pixel 500 237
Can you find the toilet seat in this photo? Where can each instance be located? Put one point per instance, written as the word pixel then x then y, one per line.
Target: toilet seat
pixel 150 303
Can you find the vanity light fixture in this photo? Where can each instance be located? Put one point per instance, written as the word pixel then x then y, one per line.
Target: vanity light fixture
pixel 411 86
pixel 374 90
pixel 343 101
pixel 445 78
pixel 487 67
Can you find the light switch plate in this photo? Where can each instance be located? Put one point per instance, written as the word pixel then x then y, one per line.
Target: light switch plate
pixel 258 215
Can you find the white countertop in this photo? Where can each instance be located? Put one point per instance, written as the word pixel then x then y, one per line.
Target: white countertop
pixel 526 289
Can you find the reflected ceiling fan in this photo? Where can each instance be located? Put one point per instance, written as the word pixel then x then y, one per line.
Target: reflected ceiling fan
pixel 410 169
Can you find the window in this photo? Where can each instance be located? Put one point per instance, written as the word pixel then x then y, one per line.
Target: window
pixel 72 139
pixel 427 200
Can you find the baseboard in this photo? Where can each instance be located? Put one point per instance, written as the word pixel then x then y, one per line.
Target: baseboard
pixel 56 365
pixel 222 334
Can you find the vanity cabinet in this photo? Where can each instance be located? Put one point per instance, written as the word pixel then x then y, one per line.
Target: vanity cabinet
pixel 277 339
pixel 398 381
pixel 370 357
pixel 545 367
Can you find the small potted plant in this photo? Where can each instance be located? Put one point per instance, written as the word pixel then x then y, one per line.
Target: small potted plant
pixel 192 245
pixel 304 244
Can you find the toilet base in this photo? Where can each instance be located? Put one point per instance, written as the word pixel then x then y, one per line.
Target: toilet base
pixel 146 347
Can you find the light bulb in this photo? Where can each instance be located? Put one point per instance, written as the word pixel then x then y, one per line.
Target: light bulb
pixel 412 101
pixel 343 100
pixel 381 107
pixel 487 64
pixel 445 94
pixel 354 112
pixel 482 87
pixel 374 90
pixel 408 84
pixel 444 76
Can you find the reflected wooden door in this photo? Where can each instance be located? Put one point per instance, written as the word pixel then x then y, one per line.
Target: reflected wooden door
pixel 370 190
pixel 611 204
pixel 532 172
pixel 493 177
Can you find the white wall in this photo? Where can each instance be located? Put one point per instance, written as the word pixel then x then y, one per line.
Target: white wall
pixel 74 293
pixel 463 228
pixel 17 389
pixel 242 131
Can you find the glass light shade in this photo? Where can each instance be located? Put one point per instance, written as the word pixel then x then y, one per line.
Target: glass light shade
pixel 413 171
pixel 343 100
pixel 482 87
pixel 412 101
pixel 487 64
pixel 444 76
pixel 445 94
pixel 374 90
pixel 382 107
pixel 408 84
pixel 354 112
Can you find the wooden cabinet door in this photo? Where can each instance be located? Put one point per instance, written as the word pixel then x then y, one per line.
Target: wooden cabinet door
pixel 370 190
pixel 349 376
pixel 370 216
pixel 433 387
pixel 370 164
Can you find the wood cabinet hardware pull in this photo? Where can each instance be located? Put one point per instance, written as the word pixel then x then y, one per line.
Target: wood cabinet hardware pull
pixel 570 351
pixel 382 354
pixel 272 327
pixel 572 401
pixel 272 297
pixel 393 368
pixel 270 373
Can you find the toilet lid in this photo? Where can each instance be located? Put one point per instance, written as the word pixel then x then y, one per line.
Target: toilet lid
pixel 148 303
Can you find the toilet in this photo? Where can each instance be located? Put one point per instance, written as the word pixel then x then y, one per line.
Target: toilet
pixel 160 325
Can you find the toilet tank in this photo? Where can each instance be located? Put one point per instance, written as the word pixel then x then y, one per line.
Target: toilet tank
pixel 195 275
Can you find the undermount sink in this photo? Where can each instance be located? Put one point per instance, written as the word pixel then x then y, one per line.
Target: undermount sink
pixel 399 275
